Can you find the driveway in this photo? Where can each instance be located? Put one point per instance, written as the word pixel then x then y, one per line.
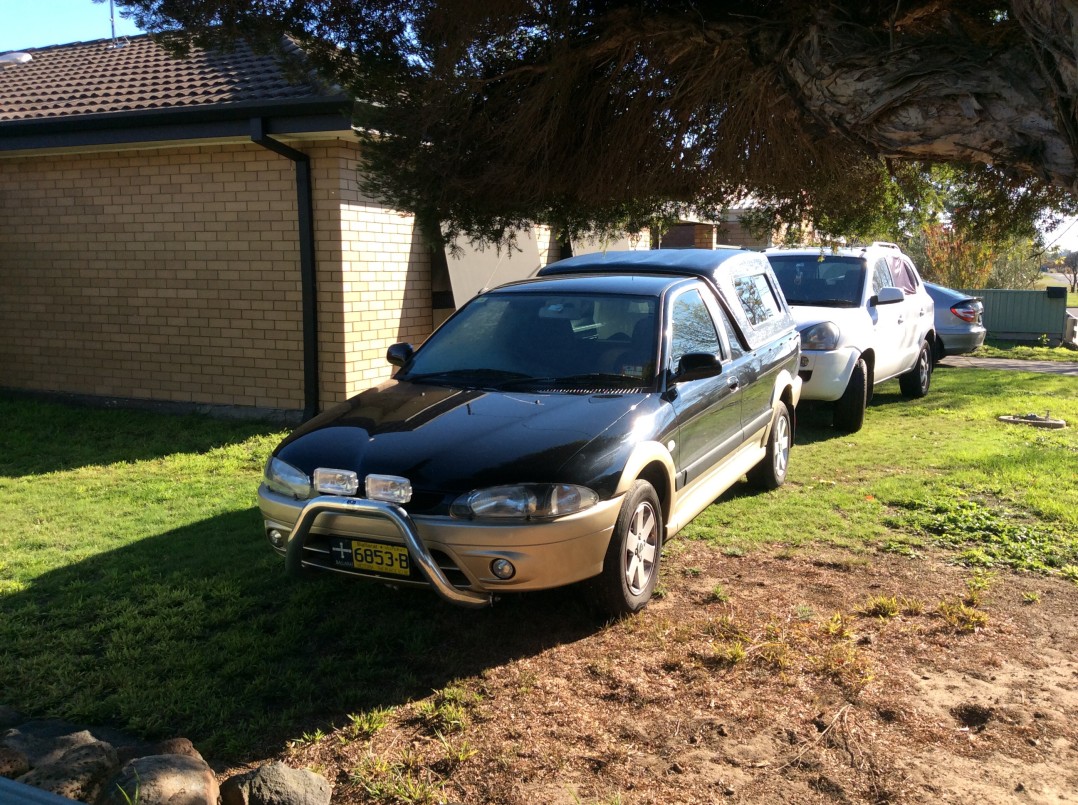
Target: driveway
pixel 1047 367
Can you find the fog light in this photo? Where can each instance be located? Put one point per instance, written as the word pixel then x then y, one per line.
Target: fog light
pixel 503 569
pixel 276 538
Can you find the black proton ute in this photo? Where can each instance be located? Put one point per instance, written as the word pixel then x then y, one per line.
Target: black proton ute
pixel 552 431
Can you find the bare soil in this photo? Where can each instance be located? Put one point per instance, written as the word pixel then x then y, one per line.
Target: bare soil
pixel 792 684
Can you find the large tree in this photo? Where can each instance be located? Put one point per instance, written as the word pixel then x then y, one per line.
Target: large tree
pixel 584 113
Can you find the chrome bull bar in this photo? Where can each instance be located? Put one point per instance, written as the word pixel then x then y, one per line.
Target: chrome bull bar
pixel 293 560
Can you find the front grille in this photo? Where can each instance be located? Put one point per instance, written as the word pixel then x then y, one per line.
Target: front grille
pixel 317 552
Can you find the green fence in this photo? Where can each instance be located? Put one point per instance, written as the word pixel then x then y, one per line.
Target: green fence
pixel 1024 315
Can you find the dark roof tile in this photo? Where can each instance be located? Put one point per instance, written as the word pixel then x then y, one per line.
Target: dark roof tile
pixel 137 73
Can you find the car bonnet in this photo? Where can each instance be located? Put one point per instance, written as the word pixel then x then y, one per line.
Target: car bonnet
pixel 456 440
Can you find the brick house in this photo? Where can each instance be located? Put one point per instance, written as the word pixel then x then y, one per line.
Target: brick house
pixel 192 231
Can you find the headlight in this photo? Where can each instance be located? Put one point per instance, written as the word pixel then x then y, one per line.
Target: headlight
pixel 524 501
pixel 823 336
pixel 284 479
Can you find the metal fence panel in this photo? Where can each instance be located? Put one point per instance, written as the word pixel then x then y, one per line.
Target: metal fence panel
pixel 1023 314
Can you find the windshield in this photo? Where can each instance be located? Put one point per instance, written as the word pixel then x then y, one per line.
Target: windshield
pixel 821 280
pixel 539 340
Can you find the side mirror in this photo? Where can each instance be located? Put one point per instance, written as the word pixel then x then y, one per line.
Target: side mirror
pixel 697 366
pixel 399 354
pixel 888 296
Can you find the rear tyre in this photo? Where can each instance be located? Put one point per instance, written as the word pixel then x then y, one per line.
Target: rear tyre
pixel 771 471
pixel 915 382
pixel 631 566
pixel 849 413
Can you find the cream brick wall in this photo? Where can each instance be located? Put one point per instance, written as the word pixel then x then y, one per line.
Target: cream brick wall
pixel 374 276
pixel 173 274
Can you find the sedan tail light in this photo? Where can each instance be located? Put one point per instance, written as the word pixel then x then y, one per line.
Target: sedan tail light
pixel 968 311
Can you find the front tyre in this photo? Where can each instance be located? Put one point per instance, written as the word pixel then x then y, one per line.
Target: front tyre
pixel 915 382
pixel 849 412
pixel 770 473
pixel 631 566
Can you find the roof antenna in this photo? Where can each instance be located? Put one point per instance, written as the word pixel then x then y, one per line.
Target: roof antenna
pixel 112 19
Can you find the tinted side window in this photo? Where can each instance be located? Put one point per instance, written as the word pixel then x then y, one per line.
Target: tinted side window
pixel 881 276
pixel 757 299
pixel 692 328
pixel 904 276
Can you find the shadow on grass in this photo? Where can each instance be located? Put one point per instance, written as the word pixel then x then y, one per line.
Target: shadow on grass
pixel 198 632
pixel 42 436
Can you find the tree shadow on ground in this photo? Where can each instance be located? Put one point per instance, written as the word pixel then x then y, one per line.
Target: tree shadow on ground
pixel 199 632
pixel 42 436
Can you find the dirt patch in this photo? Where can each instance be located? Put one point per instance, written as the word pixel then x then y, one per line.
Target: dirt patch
pixel 757 679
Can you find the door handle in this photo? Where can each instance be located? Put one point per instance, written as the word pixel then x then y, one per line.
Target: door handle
pixel 733 383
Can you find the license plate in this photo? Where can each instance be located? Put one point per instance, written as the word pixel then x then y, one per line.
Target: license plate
pixel 372 556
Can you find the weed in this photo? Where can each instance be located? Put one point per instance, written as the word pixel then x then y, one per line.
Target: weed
pixel 977 585
pixel 719 594
pixel 730 654
pixel 724 628
pixel 803 612
pixel 844 665
pixel 1031 598
pixel 880 606
pixel 773 654
pixel 369 723
pixel 455 753
pixel 835 626
pixel 308 739
pixel 901 548
pixel 962 617
pixel 1069 572
pixel 989 536
pixel 911 606
pixel 442 716
pixel 733 551
pixel 692 572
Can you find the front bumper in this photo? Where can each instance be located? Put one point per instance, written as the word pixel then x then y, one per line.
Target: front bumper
pixel 452 556
pixel 825 374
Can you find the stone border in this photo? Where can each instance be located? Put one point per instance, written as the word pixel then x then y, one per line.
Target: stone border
pixel 102 766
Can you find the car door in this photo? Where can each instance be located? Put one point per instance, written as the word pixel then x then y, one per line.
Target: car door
pixel 708 409
pixel 918 306
pixel 890 325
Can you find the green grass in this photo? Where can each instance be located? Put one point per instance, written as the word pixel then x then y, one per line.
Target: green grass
pixel 137 590
pixel 1014 350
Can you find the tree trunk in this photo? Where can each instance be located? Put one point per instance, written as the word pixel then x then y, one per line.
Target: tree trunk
pixel 949 97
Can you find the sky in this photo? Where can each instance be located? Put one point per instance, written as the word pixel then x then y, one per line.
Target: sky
pixel 38 23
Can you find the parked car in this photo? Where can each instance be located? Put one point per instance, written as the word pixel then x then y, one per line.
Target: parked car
pixel 864 317
pixel 958 321
pixel 551 431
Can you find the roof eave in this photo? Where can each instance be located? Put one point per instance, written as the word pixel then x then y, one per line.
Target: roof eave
pixel 216 121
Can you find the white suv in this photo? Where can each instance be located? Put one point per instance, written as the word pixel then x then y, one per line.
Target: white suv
pixel 864 317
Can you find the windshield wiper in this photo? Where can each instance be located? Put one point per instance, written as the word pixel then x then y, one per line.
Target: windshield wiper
pixel 477 376
pixel 587 378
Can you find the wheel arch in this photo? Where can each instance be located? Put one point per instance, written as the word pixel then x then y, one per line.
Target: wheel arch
pixel 651 462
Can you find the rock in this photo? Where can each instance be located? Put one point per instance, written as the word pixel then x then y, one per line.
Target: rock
pixel 46 740
pixel 13 763
pixel 163 780
pixel 171 746
pixel 276 784
pixel 79 773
